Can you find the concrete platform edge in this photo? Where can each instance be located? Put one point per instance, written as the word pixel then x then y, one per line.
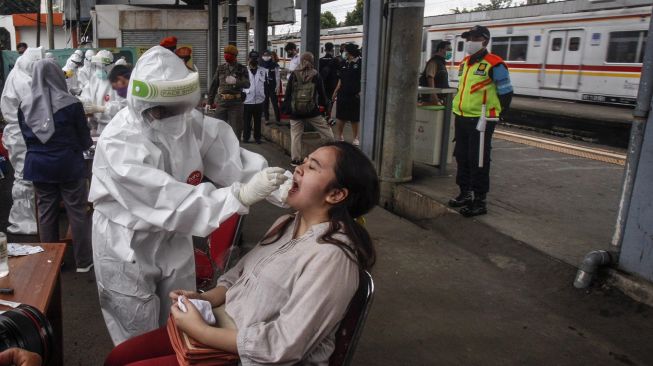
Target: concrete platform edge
pixel 415 206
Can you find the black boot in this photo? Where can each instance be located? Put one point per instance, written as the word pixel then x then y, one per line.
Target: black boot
pixel 464 198
pixel 476 208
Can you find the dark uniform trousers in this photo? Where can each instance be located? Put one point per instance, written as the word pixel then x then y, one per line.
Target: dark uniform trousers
pixel 232 113
pixel 469 176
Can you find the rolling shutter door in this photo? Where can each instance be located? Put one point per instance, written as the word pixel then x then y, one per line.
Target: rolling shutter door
pixel 241 41
pixel 195 38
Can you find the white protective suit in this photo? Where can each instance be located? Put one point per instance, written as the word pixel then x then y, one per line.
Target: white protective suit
pixel 22 216
pixel 71 69
pixel 84 72
pixel 149 199
pixel 98 96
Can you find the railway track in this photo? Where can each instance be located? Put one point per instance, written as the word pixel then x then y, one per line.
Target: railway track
pixel 562 147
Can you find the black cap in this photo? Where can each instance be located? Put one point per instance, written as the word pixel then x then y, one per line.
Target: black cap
pixel 477 30
pixel 253 55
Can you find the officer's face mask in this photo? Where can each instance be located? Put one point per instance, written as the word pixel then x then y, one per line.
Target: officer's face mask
pixel 473 46
pixel 447 55
pixel 345 55
pixel 266 58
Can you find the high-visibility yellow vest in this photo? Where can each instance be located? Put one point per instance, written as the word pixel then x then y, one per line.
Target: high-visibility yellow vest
pixel 475 86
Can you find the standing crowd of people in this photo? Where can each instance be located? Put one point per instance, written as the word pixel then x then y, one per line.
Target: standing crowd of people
pixel 242 94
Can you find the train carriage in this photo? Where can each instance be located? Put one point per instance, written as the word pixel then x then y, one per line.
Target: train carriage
pixel 581 50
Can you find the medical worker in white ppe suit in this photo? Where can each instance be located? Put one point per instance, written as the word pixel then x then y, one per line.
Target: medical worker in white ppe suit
pixel 148 195
pixel 84 72
pixel 22 215
pixel 98 97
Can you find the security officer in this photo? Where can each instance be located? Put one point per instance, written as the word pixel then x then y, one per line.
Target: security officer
pixel 226 91
pixel 483 79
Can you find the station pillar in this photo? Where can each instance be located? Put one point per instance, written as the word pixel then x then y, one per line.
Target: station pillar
pixel 311 28
pixel 261 30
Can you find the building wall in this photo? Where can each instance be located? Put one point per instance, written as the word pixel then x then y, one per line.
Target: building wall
pixel 28 34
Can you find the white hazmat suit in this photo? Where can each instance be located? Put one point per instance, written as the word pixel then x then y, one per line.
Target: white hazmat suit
pixel 71 69
pixel 98 96
pixel 22 216
pixel 84 72
pixel 148 196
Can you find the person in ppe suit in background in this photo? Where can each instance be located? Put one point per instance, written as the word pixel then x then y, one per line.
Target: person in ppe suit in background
pixel 149 197
pixel 22 216
pixel 98 97
pixel 70 72
pixel 84 72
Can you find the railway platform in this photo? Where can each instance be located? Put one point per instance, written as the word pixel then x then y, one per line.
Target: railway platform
pixel 560 204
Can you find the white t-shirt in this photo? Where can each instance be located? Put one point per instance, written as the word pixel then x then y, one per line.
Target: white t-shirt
pixel 294 63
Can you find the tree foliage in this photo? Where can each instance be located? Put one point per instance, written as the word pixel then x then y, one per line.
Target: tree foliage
pixel 493 5
pixel 355 17
pixel 328 20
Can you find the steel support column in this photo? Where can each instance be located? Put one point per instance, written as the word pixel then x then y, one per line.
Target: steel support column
pixel 49 25
pixel 311 28
pixel 214 36
pixel 373 92
pixel 261 30
pixel 233 23
pixel 404 33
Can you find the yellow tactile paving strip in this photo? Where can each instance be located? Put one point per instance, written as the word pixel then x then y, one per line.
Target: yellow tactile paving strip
pixel 564 148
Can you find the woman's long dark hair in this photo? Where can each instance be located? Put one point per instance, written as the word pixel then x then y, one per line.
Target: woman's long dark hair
pixel 354 172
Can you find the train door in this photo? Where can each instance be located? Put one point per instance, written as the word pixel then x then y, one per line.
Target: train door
pixel 563 59
pixel 458 47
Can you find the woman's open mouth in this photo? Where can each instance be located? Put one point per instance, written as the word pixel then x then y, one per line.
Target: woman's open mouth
pixel 294 188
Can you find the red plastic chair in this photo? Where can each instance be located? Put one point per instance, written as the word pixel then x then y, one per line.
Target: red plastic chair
pixel 351 326
pixel 214 262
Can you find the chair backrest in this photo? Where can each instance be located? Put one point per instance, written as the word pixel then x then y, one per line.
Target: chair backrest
pixel 351 326
pixel 222 240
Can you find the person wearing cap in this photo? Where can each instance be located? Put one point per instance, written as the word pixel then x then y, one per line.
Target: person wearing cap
pixel 329 69
pixel 226 91
pixel 483 79
pixel 254 98
pixel 185 53
pixel 271 86
pixel 348 92
pixel 169 43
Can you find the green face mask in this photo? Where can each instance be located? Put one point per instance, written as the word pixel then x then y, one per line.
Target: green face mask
pixel 448 55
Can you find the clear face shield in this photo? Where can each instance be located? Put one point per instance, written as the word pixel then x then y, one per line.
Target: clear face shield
pixel 166 105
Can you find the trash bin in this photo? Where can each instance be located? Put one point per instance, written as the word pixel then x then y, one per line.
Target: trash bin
pixel 427 140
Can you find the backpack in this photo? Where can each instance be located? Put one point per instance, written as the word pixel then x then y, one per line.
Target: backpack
pixel 422 77
pixel 302 101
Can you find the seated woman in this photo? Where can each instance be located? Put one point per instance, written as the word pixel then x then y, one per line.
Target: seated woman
pixel 288 295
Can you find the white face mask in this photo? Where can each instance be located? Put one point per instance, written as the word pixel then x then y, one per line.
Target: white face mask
pixel 266 58
pixel 472 47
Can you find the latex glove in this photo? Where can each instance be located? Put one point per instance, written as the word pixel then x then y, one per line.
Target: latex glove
pixel 90 108
pixel 261 185
pixel 230 80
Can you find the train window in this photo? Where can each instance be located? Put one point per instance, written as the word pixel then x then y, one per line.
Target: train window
pixel 626 46
pixel 510 48
pixel 574 43
pixel 556 45
pixel 461 46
